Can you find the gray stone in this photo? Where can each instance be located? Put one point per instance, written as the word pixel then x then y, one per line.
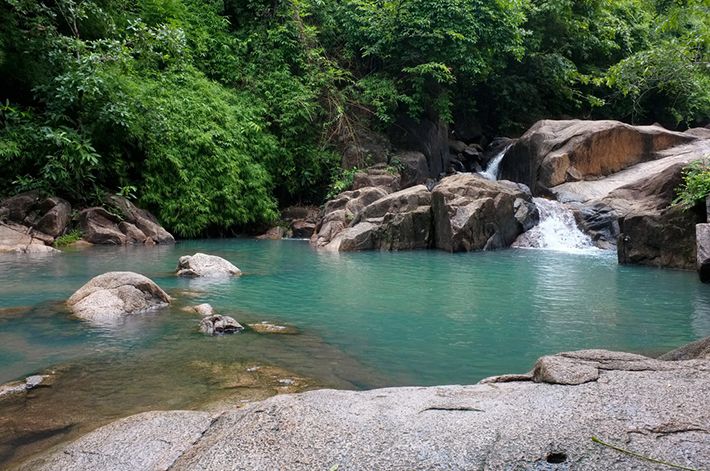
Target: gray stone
pixel 143 220
pixel 702 241
pixel 219 325
pixel 204 309
pixel 699 349
pixel 98 226
pixel 414 169
pixel 650 407
pixel 57 215
pixel 15 238
pixel 132 233
pixel 110 297
pixel 302 229
pixel 265 327
pixel 201 264
pixel 472 213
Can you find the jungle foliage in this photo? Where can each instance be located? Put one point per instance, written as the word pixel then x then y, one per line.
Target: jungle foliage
pixel 218 111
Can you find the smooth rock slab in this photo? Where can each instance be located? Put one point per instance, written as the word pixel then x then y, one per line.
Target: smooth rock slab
pixel 650 407
pixel 202 264
pixel 115 295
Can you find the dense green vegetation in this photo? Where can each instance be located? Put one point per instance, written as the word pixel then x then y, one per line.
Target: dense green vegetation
pixel 696 184
pixel 215 112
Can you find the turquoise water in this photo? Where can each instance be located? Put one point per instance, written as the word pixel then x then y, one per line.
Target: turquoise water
pixel 410 318
pixel 365 319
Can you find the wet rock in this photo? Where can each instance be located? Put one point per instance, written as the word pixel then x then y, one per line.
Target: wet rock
pixel 599 221
pixel 219 325
pixel 698 350
pixel 201 264
pixel 98 226
pixel 19 387
pixel 143 220
pixel 112 296
pixel 269 328
pixel 472 213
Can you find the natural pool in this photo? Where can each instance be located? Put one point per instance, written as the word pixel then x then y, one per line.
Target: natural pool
pixel 366 320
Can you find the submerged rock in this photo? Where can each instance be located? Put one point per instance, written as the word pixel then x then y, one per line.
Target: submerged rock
pixel 201 264
pixel 219 325
pixel 115 295
pixel 204 309
pixel 269 328
pixel 646 406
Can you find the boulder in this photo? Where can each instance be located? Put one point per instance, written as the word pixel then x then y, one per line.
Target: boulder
pixel 18 208
pixel 554 152
pixel 378 176
pixel 653 231
pixel 398 221
pixel 702 240
pixel 132 233
pixel 414 169
pixel 112 296
pixel 98 226
pixel 15 238
pixel 219 325
pixel 143 220
pixel 204 309
pixel 57 215
pixel 698 350
pixel 472 213
pixel 275 233
pixel 302 229
pixel 201 264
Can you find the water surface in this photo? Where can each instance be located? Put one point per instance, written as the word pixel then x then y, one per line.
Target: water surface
pixel 366 320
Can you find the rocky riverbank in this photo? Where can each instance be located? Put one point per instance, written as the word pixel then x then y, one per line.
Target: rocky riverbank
pixel 586 410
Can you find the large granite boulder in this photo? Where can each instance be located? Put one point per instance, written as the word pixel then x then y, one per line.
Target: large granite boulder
pixel 541 421
pixel 653 231
pixel 472 213
pixel 98 226
pixel 143 220
pixel 201 264
pixel 554 152
pixel 111 297
pixel 56 216
pixel 397 221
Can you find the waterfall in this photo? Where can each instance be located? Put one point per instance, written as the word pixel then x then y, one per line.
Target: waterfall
pixel 493 168
pixel 557 230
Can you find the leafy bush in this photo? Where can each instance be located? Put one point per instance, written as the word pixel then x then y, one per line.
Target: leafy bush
pixel 696 184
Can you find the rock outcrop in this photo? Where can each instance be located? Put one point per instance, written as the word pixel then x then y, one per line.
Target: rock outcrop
pixel 110 297
pixel 554 152
pixel 472 213
pixel 201 264
pixel 16 238
pixel 463 212
pixel 142 220
pixel 541 421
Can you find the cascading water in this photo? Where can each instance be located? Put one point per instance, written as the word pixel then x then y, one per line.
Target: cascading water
pixel 557 230
pixel 493 169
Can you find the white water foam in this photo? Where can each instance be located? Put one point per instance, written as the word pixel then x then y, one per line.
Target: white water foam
pixel 492 170
pixel 557 230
